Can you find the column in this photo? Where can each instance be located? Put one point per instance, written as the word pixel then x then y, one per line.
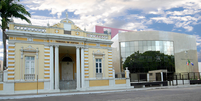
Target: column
pixel 78 66
pixel 56 67
pixel 82 66
pixel 51 69
pixel 161 76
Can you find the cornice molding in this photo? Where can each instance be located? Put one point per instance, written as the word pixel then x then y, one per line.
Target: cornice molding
pixel 55 36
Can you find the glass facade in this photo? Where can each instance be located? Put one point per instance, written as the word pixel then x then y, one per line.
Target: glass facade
pixel 161 52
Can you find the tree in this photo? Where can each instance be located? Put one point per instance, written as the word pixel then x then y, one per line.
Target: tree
pixel 9 9
pixel 149 60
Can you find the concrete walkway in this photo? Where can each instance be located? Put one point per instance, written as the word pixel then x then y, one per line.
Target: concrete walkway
pixel 22 96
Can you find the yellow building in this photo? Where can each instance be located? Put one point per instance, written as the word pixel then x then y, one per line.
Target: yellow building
pixel 58 57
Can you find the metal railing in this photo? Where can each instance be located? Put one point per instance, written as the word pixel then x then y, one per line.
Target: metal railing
pixel 29 76
pixel 120 75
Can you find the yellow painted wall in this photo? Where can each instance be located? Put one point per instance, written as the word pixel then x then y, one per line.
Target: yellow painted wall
pixel 28 86
pixel 93 83
pixel 120 81
pixel 1 86
pixel 11 26
pixel 18 61
pixel 92 63
pixel 52 30
pixel 80 33
pixel 75 27
pixel 59 25
pixel 109 37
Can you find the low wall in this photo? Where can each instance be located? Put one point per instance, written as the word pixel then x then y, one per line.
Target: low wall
pixel 111 83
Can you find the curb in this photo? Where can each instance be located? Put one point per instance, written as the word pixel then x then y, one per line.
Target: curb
pixel 92 92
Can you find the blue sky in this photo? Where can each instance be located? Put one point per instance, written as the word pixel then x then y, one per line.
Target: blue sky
pixel 182 16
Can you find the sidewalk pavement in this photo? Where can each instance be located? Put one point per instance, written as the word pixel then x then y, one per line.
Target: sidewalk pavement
pixel 22 96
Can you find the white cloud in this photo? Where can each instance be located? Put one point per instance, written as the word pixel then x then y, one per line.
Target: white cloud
pixel 198 40
pixel 102 12
pixel 185 18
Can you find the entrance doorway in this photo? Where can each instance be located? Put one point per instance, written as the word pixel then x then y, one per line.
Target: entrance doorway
pixel 67 82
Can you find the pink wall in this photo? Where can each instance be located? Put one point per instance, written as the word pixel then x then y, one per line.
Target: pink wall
pixel 114 31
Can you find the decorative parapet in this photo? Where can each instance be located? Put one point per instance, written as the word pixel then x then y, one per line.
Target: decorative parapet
pixel 28 28
pixel 97 35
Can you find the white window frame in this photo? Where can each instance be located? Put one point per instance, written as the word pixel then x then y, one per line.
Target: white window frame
pixel 29 75
pixel 100 69
pixel 99 55
pixel 30 67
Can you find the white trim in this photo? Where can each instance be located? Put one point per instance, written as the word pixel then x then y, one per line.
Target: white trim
pixel 110 71
pixel 86 56
pixel 11 52
pixel 110 74
pixel 46 61
pixel 11 72
pixel 86 75
pixel 109 62
pixel 109 54
pixel 86 52
pixel 46 54
pixel 109 59
pixel 12 49
pixel 86 68
pixel 47 65
pixel 46 50
pixel 86 49
pixel 109 68
pixel 11 76
pixel 47 47
pixel 57 36
pixel 46 68
pixel 46 75
pixel 86 62
pixel 11 45
pixel 86 71
pixel 86 65
pixel 109 51
pixel 86 59
pixel 47 58
pixel 11 60
pixel 11 56
pixel 11 68
pixel 46 72
pixel 11 64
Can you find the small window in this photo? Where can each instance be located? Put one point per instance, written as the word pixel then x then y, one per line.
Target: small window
pixel 98 65
pixel 67 32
